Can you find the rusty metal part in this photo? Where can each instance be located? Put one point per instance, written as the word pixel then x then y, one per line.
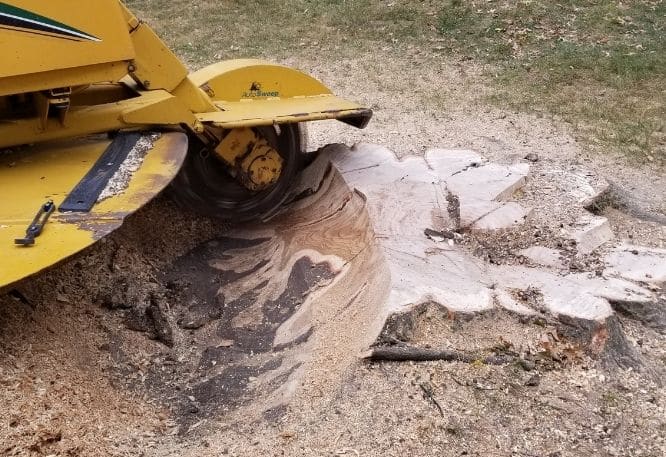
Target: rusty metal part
pixel 253 161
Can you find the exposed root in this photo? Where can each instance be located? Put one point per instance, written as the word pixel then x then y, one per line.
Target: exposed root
pixel 410 353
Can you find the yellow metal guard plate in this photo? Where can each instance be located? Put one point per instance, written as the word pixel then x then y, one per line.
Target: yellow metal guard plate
pixel 246 113
pixel 30 177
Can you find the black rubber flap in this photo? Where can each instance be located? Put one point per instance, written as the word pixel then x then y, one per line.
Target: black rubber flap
pixel 84 195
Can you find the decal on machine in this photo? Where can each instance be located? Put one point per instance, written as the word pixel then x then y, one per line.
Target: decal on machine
pixel 22 20
pixel 255 91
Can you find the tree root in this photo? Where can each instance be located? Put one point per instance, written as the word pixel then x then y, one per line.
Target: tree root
pixel 410 353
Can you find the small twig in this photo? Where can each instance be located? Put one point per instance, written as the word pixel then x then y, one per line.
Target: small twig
pixel 429 394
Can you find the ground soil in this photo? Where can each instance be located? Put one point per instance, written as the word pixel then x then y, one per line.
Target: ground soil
pixel 82 374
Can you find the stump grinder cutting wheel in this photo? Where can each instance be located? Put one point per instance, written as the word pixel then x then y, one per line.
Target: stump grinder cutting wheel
pixel 98 116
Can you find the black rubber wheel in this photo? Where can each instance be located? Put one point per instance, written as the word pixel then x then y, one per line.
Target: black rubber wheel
pixel 205 185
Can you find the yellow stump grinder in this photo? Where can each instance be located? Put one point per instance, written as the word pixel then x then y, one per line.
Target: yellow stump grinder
pixel 97 116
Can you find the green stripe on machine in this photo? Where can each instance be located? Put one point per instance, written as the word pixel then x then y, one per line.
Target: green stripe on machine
pixel 16 18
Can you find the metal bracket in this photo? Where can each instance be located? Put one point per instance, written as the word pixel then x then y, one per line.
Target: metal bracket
pixel 54 101
pixel 37 225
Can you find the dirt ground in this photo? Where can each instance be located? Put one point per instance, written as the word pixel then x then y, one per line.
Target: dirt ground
pixel 81 373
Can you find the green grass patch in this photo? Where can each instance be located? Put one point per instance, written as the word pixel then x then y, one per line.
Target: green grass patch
pixel 200 30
